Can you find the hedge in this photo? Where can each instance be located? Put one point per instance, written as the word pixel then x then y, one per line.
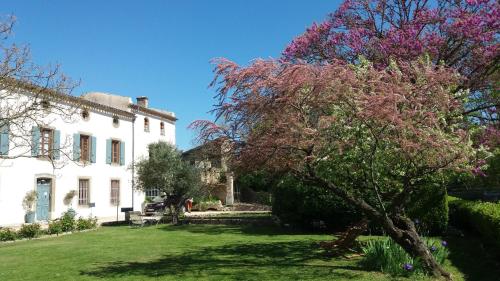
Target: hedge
pixel 429 205
pixel 481 217
pixel 248 195
pixel 300 205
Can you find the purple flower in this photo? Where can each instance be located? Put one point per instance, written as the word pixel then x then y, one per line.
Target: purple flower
pixel 444 243
pixel 433 248
pixel 408 266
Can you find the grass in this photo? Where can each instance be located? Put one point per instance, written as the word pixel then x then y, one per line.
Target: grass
pixel 204 252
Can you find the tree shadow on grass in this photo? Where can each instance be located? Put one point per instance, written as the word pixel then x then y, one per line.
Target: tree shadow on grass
pixel 475 261
pixel 235 229
pixel 262 261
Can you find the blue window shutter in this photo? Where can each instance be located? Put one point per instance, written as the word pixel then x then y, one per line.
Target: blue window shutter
pixel 122 153
pixel 35 141
pixel 76 147
pixel 56 145
pixel 108 151
pixel 4 140
pixel 92 151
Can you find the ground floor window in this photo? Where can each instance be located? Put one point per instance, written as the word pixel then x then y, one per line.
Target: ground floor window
pixel 83 192
pixel 115 192
pixel 151 193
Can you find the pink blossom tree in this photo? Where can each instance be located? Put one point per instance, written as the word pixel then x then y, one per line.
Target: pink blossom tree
pixel 460 34
pixel 371 136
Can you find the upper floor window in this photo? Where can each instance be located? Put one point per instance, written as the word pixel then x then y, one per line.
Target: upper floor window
pixel 116 122
pixel 115 152
pixel 146 124
pixel 85 148
pixel 46 142
pixel 45 104
pixel 85 115
pixel 162 128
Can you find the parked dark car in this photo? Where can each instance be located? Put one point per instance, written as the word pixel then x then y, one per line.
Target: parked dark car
pixel 160 203
pixel 154 207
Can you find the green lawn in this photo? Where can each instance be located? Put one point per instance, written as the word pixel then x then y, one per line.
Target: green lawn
pixel 203 252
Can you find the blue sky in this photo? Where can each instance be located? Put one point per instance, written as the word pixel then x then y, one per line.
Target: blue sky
pixel 160 49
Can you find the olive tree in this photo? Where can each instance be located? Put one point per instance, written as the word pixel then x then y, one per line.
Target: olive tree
pixel 165 171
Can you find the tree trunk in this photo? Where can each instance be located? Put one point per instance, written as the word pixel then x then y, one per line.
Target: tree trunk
pixel 347 238
pixel 175 215
pixel 175 219
pixel 404 233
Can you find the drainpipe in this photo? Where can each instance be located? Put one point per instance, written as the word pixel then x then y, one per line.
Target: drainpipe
pixel 133 160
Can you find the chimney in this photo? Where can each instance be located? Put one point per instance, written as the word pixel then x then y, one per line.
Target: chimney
pixel 142 101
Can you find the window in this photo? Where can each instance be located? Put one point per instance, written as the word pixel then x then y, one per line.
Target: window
pixel 146 124
pixel 85 115
pixel 46 142
pixel 116 122
pixel 115 152
pixel 162 128
pixel 45 104
pixel 84 148
pixel 151 193
pixel 115 192
pixel 83 192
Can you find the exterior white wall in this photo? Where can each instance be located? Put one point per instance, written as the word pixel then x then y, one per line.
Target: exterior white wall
pixel 143 139
pixel 18 176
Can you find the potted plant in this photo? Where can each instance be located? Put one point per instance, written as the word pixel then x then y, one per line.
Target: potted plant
pixel 68 200
pixel 28 205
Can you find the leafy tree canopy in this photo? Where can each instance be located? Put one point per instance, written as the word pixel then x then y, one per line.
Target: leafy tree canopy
pixel 164 170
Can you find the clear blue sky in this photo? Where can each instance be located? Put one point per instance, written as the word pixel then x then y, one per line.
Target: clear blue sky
pixel 160 49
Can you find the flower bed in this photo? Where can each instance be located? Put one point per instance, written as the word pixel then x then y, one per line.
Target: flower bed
pixel 64 225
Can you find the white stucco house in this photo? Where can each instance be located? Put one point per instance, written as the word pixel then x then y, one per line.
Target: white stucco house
pixel 93 154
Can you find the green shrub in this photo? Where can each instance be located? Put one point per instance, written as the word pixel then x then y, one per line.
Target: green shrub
pixel 7 234
pixel 429 205
pixel 257 181
pixel 82 224
pixel 206 205
pixel 68 221
pixel 55 227
pixel 387 256
pixel 481 217
pixel 299 204
pixel 248 195
pixel 29 230
pixel 263 198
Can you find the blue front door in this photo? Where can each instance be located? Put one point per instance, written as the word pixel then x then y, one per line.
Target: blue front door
pixel 43 199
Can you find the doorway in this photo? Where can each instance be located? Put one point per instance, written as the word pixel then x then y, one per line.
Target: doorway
pixel 43 196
